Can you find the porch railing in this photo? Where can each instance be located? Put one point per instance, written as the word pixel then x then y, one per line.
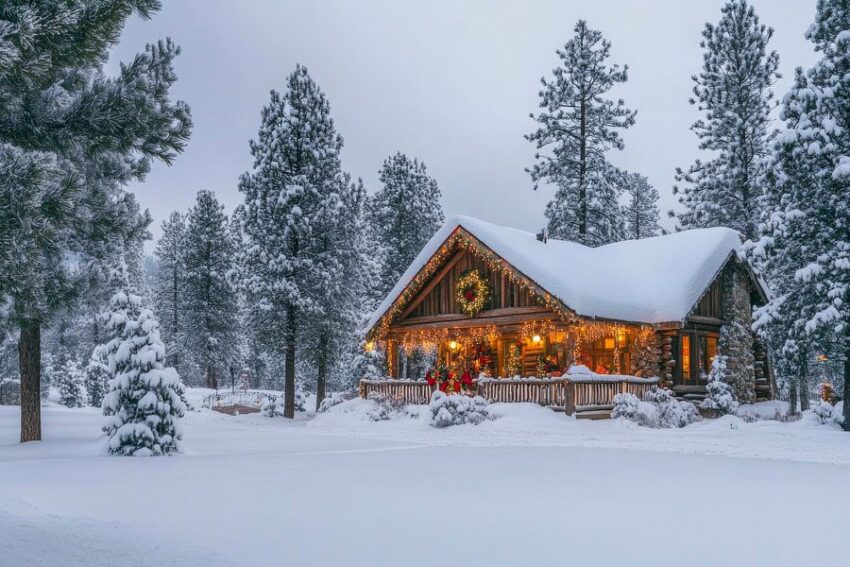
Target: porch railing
pixel 573 394
pixel 406 391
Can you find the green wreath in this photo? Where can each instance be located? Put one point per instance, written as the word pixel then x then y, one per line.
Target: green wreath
pixel 471 292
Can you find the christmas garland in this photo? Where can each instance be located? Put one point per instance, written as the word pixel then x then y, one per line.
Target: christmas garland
pixel 448 381
pixel 472 292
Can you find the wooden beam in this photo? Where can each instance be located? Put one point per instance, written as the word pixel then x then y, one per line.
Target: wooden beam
pixel 432 284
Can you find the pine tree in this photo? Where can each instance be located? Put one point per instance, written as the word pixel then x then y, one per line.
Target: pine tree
pixel 145 397
pixel 579 125
pixel 339 294
pixel 734 91
pixel 641 212
pixel 404 214
pixel 70 139
pixel 211 304
pixel 97 378
pixel 169 296
pixel 295 176
pixel 70 382
pixel 806 220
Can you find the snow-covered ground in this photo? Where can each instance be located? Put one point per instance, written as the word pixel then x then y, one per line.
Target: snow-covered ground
pixel 532 487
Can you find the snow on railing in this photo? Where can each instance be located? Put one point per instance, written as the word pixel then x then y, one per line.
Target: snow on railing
pixel 226 398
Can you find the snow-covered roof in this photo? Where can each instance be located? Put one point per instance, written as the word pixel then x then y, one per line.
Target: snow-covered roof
pixel 652 280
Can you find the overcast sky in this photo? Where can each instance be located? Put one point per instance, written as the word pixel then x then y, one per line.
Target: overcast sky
pixel 450 83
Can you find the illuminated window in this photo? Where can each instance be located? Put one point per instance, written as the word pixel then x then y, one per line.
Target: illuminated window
pixel 686 358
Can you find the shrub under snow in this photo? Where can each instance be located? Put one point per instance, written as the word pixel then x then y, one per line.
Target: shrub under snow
pixel 660 410
pixel 823 411
pixel 720 395
pixel 447 410
pixel 330 401
pixel 272 405
pixel 70 383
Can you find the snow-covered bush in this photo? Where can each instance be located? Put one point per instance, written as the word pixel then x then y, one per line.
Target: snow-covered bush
pixel 660 409
pixel 447 410
pixel 330 401
pixel 96 380
pixel 145 398
pixel 272 405
pixel 70 383
pixel 720 395
pixel 823 411
pixel 630 407
pixel 384 407
pixel 838 413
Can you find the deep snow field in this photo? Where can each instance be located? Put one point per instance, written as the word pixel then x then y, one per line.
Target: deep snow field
pixel 532 487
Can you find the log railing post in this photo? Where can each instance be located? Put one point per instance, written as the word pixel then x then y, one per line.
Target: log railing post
pixel 569 397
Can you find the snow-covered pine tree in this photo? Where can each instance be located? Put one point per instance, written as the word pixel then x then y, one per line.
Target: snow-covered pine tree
pixel 211 305
pixel 404 214
pixel 332 332
pixel 169 295
pixel 295 175
pixel 70 383
pixel 145 398
pixel 640 213
pixel 734 91
pixel 70 138
pixel 579 125
pixel 807 225
pixel 97 378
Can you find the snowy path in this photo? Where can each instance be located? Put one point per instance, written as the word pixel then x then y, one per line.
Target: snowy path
pixel 248 492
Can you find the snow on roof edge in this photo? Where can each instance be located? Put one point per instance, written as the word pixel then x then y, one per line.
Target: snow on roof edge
pixel 659 294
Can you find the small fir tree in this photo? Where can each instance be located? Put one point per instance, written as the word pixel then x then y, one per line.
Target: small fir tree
pixel 145 398
pixel 97 379
pixel 70 383
pixel 640 214
pixel 578 124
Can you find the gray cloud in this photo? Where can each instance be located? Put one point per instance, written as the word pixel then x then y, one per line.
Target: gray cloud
pixel 451 83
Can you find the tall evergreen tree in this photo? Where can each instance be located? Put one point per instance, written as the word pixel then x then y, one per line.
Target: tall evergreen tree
pixel 343 286
pixel 734 91
pixel 169 294
pixel 807 224
pixel 296 175
pixel 404 214
pixel 579 125
pixel 641 211
pixel 70 138
pixel 211 305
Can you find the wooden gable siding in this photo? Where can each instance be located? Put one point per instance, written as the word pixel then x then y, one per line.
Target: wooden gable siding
pixel 440 300
pixel 711 303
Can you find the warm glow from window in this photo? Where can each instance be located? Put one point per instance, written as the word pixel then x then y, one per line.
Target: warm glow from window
pixel 609 343
pixel 686 357
pixel 621 338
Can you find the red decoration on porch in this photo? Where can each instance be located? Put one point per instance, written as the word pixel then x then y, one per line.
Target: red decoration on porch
pixel 447 381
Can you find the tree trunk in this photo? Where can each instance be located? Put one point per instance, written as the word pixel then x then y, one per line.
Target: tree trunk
pixel 582 176
pixel 792 396
pixel 289 363
pixel 322 369
pixel 29 351
pixel 804 390
pixel 846 423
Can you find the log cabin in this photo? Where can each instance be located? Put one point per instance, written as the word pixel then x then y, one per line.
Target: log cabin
pixel 503 302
